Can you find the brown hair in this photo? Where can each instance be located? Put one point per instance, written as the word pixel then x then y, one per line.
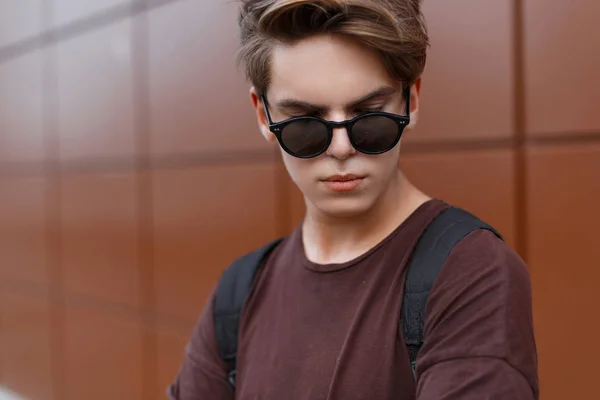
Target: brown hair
pixel 395 29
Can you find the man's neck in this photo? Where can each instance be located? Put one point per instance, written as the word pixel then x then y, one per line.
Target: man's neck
pixel 336 240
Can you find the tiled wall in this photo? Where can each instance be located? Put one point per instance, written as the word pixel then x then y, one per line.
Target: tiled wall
pixel 132 173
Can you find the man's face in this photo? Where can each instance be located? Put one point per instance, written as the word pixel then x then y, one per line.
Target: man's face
pixel 325 76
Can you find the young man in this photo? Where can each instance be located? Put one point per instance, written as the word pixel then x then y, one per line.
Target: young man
pixel 335 83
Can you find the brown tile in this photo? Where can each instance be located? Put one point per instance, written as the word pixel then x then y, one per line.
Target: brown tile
pixel 99 243
pixel 67 11
pixel 21 118
pixel 95 94
pixel 23 229
pixel 291 198
pixel 199 100
pixel 171 350
pixel 467 86
pixel 204 219
pixel 103 355
pixel 562 77
pixel 563 198
pixel 296 203
pixel 478 181
pixel 19 20
pixel 26 347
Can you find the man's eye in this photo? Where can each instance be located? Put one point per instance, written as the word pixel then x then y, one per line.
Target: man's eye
pixel 368 110
pixel 304 115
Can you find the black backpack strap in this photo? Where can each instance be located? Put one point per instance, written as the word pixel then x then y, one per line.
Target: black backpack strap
pixel 427 259
pixel 230 296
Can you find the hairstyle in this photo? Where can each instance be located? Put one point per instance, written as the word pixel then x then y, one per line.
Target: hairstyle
pixel 394 29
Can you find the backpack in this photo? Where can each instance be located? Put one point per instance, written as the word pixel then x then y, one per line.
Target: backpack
pixel 426 261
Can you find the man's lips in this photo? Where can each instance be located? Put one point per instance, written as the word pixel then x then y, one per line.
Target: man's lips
pixel 343 183
pixel 342 178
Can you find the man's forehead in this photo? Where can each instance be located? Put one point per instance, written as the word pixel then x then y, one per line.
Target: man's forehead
pixel 327 70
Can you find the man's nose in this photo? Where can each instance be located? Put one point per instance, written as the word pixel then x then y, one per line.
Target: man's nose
pixel 340 146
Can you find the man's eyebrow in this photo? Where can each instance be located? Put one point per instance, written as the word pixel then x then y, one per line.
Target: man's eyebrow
pixel 298 104
pixel 303 105
pixel 380 92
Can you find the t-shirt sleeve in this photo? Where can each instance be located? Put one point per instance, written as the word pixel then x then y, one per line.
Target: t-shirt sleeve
pixel 203 374
pixel 479 337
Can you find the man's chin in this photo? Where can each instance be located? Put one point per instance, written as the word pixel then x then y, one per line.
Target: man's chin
pixel 344 207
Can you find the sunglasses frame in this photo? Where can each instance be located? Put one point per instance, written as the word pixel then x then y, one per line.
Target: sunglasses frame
pixel 277 127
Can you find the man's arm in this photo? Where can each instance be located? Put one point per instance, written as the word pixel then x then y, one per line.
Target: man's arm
pixel 203 374
pixel 479 339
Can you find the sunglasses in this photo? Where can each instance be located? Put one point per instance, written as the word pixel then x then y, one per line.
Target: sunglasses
pixel 369 133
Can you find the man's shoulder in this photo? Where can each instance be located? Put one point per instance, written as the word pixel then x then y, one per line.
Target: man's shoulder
pixel 264 250
pixel 250 264
pixel 480 308
pixel 483 250
pixel 484 262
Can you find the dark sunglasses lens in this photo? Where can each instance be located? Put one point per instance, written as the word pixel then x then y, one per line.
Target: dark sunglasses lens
pixel 305 138
pixel 375 134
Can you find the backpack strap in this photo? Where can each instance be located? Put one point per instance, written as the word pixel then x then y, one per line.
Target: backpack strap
pixel 426 262
pixel 230 295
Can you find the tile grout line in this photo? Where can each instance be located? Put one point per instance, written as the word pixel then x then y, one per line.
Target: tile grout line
pixel 53 217
pixel 202 160
pixel 51 35
pixel 521 142
pixel 141 98
pixel 94 304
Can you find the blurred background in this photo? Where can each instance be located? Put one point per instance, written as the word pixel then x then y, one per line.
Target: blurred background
pixel 132 173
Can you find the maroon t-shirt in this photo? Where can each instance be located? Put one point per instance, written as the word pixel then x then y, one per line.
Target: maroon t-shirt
pixel 332 332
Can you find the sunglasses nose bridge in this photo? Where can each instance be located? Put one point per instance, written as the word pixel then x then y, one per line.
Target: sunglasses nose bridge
pixel 332 125
pixel 336 125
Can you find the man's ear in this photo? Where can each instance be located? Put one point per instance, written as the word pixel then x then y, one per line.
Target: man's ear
pixel 415 95
pixel 261 118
